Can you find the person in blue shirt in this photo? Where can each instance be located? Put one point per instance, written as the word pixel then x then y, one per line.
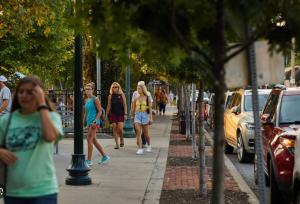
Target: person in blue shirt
pixel 91 118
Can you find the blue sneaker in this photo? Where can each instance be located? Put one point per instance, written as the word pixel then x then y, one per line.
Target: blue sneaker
pixel 89 162
pixel 104 159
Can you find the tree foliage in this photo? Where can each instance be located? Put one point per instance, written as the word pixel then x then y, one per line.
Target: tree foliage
pixel 36 38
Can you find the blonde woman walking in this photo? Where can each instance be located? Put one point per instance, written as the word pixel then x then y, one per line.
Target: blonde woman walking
pixel 92 114
pixel 142 113
pixel 117 112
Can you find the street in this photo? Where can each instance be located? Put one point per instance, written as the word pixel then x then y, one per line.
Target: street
pixel 246 170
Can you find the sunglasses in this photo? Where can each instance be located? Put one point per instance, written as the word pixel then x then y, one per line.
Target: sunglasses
pixel 115 87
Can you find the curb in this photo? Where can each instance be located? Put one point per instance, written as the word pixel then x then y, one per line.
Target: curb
pixel 236 175
pixel 155 183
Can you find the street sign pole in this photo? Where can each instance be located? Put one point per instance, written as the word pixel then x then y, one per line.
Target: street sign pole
pixel 258 139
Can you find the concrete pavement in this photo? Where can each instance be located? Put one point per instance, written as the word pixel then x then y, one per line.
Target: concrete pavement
pixel 127 178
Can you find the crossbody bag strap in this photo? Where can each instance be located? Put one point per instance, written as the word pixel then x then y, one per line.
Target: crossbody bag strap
pixel 4 146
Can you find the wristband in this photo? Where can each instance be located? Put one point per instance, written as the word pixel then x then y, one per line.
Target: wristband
pixel 40 107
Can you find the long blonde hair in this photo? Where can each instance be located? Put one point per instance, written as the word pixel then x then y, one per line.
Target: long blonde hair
pixel 144 89
pixel 120 91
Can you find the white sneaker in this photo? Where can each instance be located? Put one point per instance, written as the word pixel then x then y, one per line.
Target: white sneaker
pixel 148 148
pixel 140 152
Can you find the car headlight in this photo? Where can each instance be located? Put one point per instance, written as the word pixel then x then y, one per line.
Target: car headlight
pixel 249 126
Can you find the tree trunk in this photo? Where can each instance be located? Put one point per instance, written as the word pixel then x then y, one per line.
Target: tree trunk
pixel 201 144
pixel 187 112
pixel 181 98
pixel 193 121
pixel 219 87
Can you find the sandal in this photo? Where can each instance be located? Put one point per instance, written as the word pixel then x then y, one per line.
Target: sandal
pixel 122 145
pixel 117 147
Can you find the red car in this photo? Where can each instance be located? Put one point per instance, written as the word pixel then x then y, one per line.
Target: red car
pixel 280 123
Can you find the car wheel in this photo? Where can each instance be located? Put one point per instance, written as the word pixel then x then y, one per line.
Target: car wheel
pixel 243 155
pixel 275 194
pixel 228 148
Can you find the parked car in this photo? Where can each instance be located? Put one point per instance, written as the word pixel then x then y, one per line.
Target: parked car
pixel 280 121
pixel 239 123
pixel 211 108
pixel 296 172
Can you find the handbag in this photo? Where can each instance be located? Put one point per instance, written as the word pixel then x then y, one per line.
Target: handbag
pixel 3 169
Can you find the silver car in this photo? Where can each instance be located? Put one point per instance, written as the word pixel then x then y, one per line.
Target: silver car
pixel 239 123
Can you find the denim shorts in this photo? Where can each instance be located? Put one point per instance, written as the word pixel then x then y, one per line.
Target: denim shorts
pixel 141 118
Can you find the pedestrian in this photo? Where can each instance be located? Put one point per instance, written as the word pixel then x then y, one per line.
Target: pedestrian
pixel 156 96
pixel 5 96
pixel 134 96
pixel 142 113
pixel 162 102
pixel 171 97
pixel 32 127
pixel 91 118
pixel 116 111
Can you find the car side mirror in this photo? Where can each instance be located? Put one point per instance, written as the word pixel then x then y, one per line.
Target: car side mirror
pixel 266 119
pixel 235 110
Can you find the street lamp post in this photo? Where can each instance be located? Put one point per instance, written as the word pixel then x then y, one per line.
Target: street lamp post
pixel 128 129
pixel 78 169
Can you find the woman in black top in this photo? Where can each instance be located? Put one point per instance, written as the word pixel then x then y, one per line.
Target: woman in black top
pixel 117 112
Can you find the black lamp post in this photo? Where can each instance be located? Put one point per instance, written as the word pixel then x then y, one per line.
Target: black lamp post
pixel 78 169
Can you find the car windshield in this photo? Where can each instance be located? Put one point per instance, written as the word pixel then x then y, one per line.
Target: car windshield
pixel 248 101
pixel 290 109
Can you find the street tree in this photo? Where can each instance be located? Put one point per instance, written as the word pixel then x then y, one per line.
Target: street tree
pixel 36 38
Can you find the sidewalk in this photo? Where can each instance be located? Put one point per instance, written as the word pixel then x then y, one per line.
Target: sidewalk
pixel 181 181
pixel 127 178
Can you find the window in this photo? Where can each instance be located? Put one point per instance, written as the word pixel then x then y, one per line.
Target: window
pixel 231 101
pixel 261 101
pixel 228 101
pixel 290 109
pixel 270 107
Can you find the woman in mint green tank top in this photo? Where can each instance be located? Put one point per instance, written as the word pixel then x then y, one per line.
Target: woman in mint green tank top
pixel 28 145
pixel 91 118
